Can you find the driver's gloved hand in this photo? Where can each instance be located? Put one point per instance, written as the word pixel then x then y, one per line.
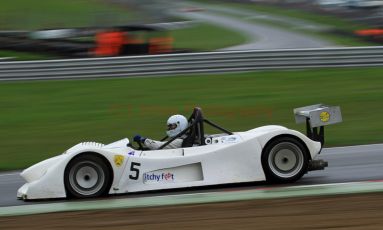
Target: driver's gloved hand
pixel 138 138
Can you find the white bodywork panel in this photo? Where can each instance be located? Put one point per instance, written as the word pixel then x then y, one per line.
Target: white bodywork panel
pixel 225 159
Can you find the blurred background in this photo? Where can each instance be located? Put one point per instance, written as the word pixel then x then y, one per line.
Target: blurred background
pixel 87 28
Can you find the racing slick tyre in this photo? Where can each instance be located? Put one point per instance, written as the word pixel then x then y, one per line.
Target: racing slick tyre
pixel 87 176
pixel 285 159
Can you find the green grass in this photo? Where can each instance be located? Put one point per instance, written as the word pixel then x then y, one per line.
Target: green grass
pixel 43 119
pixel 27 15
pixel 22 56
pixel 32 15
pixel 206 37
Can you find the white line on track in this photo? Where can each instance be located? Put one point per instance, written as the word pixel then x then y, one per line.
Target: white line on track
pixel 355 146
pixel 10 174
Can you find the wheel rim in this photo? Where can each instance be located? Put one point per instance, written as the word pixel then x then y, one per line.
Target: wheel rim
pixel 286 159
pixel 86 178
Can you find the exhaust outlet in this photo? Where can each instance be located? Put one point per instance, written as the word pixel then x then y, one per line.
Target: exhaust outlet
pixel 317 165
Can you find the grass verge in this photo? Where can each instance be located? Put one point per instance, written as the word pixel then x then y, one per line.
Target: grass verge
pixel 206 37
pixel 23 56
pixel 24 15
pixel 42 119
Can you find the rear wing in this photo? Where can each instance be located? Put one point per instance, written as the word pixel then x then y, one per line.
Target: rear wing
pixel 316 117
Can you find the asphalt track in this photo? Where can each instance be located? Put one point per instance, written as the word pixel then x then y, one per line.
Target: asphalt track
pixel 346 164
pixel 260 36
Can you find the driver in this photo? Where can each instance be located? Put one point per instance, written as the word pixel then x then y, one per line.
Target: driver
pixel 176 124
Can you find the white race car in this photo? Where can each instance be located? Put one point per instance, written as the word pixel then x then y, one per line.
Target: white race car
pixel 269 153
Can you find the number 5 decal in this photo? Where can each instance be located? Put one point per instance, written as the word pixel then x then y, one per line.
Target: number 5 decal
pixel 135 170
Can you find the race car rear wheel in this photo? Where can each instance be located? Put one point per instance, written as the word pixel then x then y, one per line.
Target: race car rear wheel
pixel 87 176
pixel 285 159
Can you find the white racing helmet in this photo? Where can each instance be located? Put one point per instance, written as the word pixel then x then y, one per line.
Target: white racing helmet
pixel 176 124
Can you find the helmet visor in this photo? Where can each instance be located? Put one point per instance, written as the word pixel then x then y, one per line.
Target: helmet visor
pixel 172 126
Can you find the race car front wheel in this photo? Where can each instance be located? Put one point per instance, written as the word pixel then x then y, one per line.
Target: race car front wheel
pixel 285 159
pixel 87 176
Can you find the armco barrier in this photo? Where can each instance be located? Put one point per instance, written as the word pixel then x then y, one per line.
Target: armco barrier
pixel 185 63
